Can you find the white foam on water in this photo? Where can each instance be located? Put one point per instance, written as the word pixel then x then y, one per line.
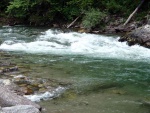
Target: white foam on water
pixel 47 95
pixel 57 42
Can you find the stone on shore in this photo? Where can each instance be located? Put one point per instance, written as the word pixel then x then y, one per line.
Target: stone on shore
pixel 20 109
pixel 140 36
pixel 9 98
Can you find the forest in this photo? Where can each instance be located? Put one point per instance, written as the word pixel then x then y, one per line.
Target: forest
pixel 91 12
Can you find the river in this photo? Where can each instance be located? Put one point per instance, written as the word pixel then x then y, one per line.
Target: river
pixel 106 76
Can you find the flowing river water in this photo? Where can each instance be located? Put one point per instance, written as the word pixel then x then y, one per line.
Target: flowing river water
pixel 106 76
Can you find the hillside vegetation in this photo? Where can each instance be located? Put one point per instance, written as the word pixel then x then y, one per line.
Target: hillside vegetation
pixel 92 12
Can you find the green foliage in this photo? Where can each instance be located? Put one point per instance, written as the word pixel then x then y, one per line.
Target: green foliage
pixel 18 8
pixel 43 11
pixel 113 7
pixel 35 11
pixel 73 8
pixel 81 4
pixel 92 18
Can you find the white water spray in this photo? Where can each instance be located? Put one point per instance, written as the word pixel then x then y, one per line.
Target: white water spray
pixel 57 42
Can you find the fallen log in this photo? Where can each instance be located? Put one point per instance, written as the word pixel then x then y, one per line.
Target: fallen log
pixel 133 13
pixel 73 22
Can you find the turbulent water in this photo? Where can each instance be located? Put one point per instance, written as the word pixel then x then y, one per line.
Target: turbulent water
pixel 70 43
pixel 108 76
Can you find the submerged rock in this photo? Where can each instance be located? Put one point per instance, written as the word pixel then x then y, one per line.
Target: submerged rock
pixel 20 79
pixel 139 36
pixel 8 70
pixel 146 103
pixel 117 91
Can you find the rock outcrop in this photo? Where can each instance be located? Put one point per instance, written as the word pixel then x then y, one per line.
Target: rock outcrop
pixel 20 109
pixel 139 36
pixel 8 98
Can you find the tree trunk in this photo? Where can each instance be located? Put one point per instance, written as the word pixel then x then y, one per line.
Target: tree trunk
pixel 73 22
pixel 132 14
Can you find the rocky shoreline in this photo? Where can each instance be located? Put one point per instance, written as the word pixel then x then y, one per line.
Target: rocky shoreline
pixel 135 32
pixel 11 95
pixel 132 34
pixel 140 36
pixel 15 88
pixel 14 103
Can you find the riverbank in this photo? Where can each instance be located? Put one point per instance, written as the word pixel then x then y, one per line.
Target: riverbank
pixel 19 92
pixel 11 97
pixel 112 24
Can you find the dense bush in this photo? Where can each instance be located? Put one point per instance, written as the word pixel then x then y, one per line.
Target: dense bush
pixel 92 18
pixel 18 8
pixel 46 11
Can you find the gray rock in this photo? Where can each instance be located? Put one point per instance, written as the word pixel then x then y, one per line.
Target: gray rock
pixel 20 109
pixel 9 98
pixel 11 86
pixel 139 36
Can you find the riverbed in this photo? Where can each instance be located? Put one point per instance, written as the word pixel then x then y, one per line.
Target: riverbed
pixel 104 75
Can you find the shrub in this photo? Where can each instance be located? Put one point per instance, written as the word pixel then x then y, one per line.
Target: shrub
pixel 113 7
pixel 92 18
pixel 18 8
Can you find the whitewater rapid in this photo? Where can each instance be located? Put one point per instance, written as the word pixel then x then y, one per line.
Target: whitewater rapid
pixel 73 43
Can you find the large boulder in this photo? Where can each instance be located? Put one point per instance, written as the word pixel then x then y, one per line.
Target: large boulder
pixel 20 109
pixel 139 36
pixel 8 98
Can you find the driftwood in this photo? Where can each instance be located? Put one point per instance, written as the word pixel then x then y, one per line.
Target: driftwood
pixel 73 22
pixel 133 13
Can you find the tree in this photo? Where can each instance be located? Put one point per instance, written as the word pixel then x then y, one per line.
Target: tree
pixel 133 13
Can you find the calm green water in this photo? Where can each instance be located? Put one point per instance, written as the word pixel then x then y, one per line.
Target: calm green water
pixel 106 76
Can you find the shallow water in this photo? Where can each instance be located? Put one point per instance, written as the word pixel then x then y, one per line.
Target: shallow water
pixel 106 76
